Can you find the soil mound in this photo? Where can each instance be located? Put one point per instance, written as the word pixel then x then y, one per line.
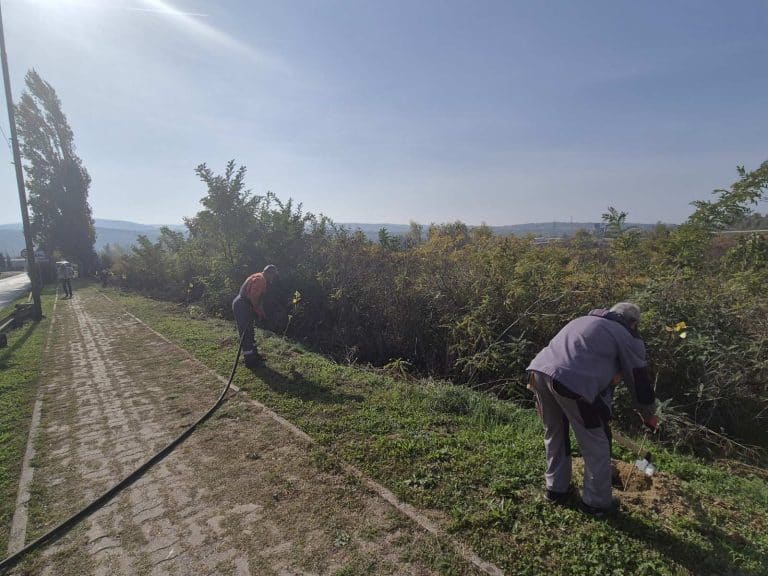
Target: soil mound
pixel 660 494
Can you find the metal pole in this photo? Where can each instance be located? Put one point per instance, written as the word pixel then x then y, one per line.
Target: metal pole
pixel 37 310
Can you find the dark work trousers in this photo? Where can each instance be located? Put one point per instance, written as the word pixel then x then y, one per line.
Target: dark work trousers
pixel 66 285
pixel 559 408
pixel 244 318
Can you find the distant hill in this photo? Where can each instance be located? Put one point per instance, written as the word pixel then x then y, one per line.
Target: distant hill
pixel 124 233
pixel 539 229
pixel 112 232
pixel 135 226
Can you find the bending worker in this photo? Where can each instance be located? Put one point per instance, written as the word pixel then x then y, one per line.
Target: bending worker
pixel 573 379
pixel 247 306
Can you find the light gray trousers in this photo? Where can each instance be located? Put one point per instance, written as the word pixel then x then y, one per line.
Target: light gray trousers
pixel 592 433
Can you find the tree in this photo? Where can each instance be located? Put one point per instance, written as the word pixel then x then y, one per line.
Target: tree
pixel 457 231
pixel 625 239
pixel 387 241
pixel 57 180
pixel 228 216
pixel 415 235
pixel 689 243
pixel 614 222
pixel 221 235
pixel 732 205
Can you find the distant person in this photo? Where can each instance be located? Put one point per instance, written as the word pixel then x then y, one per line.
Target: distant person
pixel 65 272
pixel 104 277
pixel 247 306
pixel 573 380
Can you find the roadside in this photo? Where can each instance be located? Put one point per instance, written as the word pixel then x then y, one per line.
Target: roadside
pixel 475 465
pixel 20 367
pixel 241 496
pixel 11 287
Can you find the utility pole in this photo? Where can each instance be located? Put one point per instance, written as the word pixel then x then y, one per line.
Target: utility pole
pixel 37 311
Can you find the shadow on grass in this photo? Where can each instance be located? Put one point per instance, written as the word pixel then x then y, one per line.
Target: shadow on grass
pixel 714 559
pixel 6 353
pixel 299 387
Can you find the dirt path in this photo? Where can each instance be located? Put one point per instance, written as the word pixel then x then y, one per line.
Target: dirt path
pixel 241 496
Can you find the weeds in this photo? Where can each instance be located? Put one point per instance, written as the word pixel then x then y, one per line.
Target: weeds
pixel 19 372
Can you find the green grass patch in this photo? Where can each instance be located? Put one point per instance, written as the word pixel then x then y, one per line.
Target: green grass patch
pixel 20 365
pixel 479 463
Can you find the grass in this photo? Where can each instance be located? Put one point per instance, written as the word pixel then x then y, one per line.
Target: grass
pixel 20 365
pixel 478 464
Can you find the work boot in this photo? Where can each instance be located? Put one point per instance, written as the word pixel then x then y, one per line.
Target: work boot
pixel 598 512
pixel 554 497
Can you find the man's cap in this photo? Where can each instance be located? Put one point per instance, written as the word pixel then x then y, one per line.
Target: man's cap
pixel 630 311
pixel 271 269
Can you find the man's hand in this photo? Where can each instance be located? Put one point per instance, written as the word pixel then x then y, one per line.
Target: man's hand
pixel 652 423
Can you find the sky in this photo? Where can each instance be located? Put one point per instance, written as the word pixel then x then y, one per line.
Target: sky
pixel 501 112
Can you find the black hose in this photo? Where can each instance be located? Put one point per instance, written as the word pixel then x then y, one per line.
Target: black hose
pixel 70 522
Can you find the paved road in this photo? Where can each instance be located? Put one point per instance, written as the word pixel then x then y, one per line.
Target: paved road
pixel 13 287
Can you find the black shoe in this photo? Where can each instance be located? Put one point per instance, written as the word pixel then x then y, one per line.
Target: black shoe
pixel 597 512
pixel 555 497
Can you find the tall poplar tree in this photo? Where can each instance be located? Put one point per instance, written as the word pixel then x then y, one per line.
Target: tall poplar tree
pixel 57 181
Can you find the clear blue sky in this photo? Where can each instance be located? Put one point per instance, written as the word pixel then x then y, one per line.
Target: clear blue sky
pixel 387 111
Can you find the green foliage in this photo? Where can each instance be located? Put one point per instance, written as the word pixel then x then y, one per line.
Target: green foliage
pixel 56 179
pixel 478 462
pixel 614 222
pixel 20 365
pixel 221 229
pixel 690 244
pixel 732 205
pixel 387 241
pixel 717 373
pixel 750 253
pixel 473 307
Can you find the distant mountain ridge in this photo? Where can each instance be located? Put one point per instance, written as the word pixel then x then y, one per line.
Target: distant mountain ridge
pixel 539 229
pixel 124 233
pixel 112 232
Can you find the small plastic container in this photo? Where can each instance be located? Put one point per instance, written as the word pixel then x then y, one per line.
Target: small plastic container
pixel 645 466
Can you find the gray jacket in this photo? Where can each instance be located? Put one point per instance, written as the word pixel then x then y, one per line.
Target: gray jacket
pixel 586 354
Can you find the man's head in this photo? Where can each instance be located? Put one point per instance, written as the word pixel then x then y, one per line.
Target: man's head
pixel 270 272
pixel 630 312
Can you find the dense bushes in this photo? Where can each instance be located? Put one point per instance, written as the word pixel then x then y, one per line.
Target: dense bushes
pixel 462 303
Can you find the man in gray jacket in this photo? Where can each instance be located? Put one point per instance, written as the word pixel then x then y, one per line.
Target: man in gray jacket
pixel 573 379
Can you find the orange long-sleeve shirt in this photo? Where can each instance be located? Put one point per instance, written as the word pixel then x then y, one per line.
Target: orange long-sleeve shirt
pixel 253 289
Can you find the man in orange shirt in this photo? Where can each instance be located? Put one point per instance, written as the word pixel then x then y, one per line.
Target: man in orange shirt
pixel 247 305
